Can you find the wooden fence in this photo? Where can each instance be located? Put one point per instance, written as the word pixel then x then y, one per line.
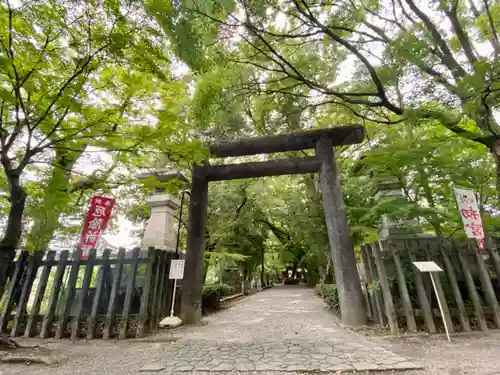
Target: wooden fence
pixel 110 296
pixel 402 298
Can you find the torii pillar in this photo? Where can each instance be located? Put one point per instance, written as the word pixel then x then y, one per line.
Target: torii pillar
pixel 352 307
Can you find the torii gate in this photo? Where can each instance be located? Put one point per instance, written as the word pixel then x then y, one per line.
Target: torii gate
pixel 351 300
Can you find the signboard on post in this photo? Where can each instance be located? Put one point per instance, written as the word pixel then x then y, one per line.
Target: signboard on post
pixel 98 215
pixel 469 211
pixel 176 269
pixel 176 273
pixel 432 267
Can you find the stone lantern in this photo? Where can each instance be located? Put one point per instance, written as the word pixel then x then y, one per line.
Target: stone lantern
pixel 161 228
pixel 393 228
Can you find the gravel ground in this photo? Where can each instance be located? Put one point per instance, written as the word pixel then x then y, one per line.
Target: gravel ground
pixel 466 354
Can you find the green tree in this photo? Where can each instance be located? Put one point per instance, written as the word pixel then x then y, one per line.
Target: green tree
pixel 76 75
pixel 384 61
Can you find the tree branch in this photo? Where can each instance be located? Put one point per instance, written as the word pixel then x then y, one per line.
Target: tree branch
pixel 461 34
pixel 446 54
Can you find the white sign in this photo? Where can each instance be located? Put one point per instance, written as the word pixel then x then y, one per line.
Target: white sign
pixel 427 266
pixel 176 269
pixel 469 211
pixel 433 267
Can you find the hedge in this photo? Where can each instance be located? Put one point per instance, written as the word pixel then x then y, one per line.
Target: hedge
pixel 330 295
pixel 212 293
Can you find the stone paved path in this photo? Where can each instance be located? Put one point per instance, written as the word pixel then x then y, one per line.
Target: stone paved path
pixel 281 329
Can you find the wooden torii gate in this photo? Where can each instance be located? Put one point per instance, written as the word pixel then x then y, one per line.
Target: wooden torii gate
pixel 351 300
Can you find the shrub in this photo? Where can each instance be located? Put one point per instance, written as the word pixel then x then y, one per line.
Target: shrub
pixel 212 293
pixel 330 295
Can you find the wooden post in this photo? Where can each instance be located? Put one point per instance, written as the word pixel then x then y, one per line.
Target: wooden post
pixel 91 322
pixel 369 278
pixel 194 262
pixel 386 290
pixel 495 258
pixel 128 294
pixel 54 294
pixel 352 309
pixel 441 298
pixel 452 277
pixel 471 287
pixel 87 277
pixel 422 295
pixel 14 284
pixel 403 290
pixel 110 315
pixel 160 311
pixel 379 301
pixel 166 296
pixel 438 288
pixel 33 264
pixel 486 282
pixel 146 286
pixel 443 307
pixel 73 276
pixel 40 291
pixel 156 286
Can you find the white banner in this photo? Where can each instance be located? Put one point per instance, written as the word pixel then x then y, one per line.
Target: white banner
pixel 469 211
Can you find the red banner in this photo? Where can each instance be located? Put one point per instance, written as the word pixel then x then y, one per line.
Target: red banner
pixel 97 218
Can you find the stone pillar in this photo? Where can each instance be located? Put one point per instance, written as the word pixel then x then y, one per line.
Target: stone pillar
pixel 401 227
pixel 351 301
pixel 161 227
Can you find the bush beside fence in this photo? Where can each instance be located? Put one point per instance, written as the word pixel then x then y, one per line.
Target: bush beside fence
pixel 58 295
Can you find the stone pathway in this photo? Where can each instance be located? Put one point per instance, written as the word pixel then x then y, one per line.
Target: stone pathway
pixel 281 329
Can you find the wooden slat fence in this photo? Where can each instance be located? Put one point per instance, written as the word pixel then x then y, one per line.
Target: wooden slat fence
pixel 400 297
pixel 104 296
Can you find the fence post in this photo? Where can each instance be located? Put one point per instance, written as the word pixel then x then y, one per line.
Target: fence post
pixel 471 287
pixel 156 285
pixel 91 322
pixel 54 294
pixel 40 291
pixel 73 277
pixel 403 289
pixel 110 315
pixel 486 282
pixel 167 286
pixel 422 295
pixel 379 301
pixel 33 264
pixel 452 277
pixel 161 289
pixel 143 312
pixel 9 303
pixel 87 277
pixel 386 291
pixel 369 278
pixel 128 294
pixel 495 258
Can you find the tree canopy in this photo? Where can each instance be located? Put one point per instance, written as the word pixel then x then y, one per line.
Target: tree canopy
pixel 92 92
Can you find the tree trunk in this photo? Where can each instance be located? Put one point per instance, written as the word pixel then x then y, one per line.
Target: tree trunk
pixel 496 156
pixel 55 200
pixel 10 240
